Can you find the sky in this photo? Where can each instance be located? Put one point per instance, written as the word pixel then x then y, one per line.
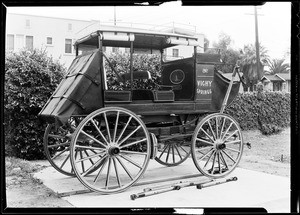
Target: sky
pixel 274 20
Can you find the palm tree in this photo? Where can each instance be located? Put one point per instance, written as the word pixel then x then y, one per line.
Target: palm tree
pixel 278 66
pixel 249 66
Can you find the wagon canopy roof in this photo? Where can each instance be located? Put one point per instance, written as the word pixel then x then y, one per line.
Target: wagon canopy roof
pixel 116 36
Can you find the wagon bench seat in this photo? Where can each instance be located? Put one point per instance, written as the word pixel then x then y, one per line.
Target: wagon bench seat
pixel 127 96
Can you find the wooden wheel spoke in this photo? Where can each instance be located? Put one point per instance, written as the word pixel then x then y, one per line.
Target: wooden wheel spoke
pixel 213 163
pixel 226 131
pixel 217 127
pixel 131 161
pixel 164 149
pixel 211 130
pixel 116 126
pixel 116 170
pixel 222 127
pixel 233 142
pixel 123 130
pixel 168 153
pixel 220 169
pixel 108 173
pixel 124 167
pixel 60 153
pixel 234 150
pixel 133 152
pixel 56 136
pixel 129 135
pixel 82 162
pixel 229 156
pixel 102 162
pixel 203 148
pixel 183 149
pixel 223 159
pixel 98 130
pixel 178 152
pixel 230 135
pixel 173 153
pixel 59 144
pixel 204 141
pixel 107 126
pixel 211 139
pixel 213 152
pixel 64 162
pixel 93 138
pixel 205 155
pixel 92 167
pixel 133 143
pixel 89 147
pixel 85 152
pixel 90 156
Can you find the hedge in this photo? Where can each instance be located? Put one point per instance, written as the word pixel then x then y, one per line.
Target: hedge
pixel 265 110
pixel 30 79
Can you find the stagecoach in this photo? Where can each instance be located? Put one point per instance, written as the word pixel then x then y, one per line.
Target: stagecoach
pixel 106 137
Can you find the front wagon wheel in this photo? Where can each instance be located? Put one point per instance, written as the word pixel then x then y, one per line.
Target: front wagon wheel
pixel 110 150
pixel 217 145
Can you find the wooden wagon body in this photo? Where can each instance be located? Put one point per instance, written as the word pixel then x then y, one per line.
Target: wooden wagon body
pixel 108 136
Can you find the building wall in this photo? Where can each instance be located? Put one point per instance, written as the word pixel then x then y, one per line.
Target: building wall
pixel 22 27
pixel 40 28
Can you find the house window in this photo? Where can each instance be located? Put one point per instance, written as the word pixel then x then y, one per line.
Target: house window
pixel 19 41
pixel 69 27
pixel 27 23
pixel 284 86
pixel 10 42
pixel 49 40
pixel 175 53
pixel 127 50
pixel 115 49
pixel 68 45
pixel 29 42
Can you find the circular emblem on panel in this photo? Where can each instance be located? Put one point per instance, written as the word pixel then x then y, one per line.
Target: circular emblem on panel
pixel 177 76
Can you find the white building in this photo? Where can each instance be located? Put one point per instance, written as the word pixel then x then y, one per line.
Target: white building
pixel 57 36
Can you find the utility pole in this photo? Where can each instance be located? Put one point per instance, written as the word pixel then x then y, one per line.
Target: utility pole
pixel 115 16
pixel 256 42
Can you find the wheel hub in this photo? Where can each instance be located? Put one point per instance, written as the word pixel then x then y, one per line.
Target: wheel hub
pixel 220 145
pixel 113 151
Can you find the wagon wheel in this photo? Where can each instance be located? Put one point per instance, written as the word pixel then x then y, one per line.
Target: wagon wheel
pixel 217 145
pixel 173 152
pixel 119 149
pixel 56 146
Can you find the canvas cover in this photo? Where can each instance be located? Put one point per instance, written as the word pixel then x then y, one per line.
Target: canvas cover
pixel 80 92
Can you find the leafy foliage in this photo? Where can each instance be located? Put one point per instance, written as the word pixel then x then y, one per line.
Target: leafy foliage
pixel 266 111
pixel 121 63
pixel 229 56
pixel 278 66
pixel 30 79
pixel 249 66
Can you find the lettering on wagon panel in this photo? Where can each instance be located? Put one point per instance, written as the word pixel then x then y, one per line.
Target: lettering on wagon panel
pixel 204 82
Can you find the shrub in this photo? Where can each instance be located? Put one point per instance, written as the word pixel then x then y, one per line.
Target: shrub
pixel 30 79
pixel 121 63
pixel 266 111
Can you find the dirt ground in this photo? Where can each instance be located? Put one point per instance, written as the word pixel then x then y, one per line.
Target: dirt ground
pixel 269 154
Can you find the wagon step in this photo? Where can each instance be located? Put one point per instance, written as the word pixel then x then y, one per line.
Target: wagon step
pixel 178 186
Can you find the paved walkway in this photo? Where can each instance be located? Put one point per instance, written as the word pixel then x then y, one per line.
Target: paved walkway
pixel 252 189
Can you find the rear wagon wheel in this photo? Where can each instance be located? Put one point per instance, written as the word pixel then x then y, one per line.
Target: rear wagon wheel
pixel 118 144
